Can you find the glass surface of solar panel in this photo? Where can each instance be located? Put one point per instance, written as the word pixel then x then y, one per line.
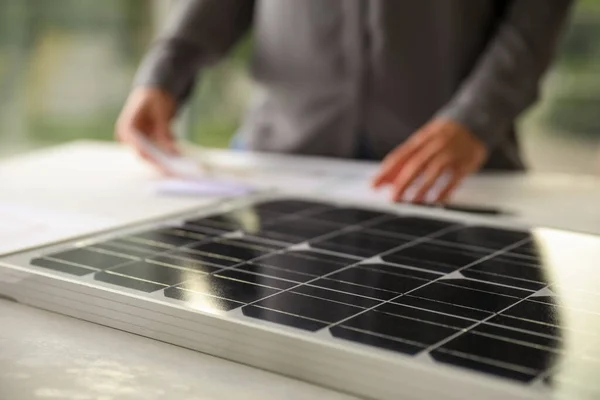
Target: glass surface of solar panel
pixel 125 248
pixel 156 273
pixel 308 263
pixel 475 297
pixel 372 278
pixel 484 237
pixel 169 237
pixel 362 244
pixel 445 257
pixel 350 216
pixel 59 266
pixel 185 261
pixel 91 258
pixel 295 230
pixel 400 328
pixel 412 226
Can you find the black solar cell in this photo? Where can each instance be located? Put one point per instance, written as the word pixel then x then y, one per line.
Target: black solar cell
pixel 296 230
pixel 516 336
pixel 491 238
pixel 201 301
pixel 127 282
pixel 282 318
pixel 400 328
pixel 167 237
pixel 229 289
pixel 179 260
pixel 291 206
pixel 62 267
pixel 229 250
pixel 268 281
pixel 447 258
pixel 426 316
pixel 363 244
pixel 412 226
pixel 303 263
pixel 321 291
pixel 372 339
pixel 128 248
pixel 479 300
pixel 376 279
pixel 309 307
pixel 350 216
pixel 197 260
pixel 88 257
pixel 526 325
pixel 156 273
pixel 492 350
pixel 275 272
pixel 445 308
pixel 466 361
pixel 359 290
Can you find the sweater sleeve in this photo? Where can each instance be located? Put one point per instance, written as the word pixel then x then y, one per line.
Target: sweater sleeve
pixel 198 34
pixel 506 79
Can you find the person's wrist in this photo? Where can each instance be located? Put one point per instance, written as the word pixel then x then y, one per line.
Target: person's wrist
pixel 166 98
pixel 458 126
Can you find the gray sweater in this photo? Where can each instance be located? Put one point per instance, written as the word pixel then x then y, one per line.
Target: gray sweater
pixel 336 76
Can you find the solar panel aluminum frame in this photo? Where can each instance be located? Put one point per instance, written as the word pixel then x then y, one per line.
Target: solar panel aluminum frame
pixel 352 368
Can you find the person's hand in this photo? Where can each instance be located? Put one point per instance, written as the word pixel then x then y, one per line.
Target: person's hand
pixel 148 111
pixel 441 147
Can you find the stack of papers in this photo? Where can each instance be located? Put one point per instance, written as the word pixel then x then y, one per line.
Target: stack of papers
pixel 195 178
pixel 201 187
pixel 190 177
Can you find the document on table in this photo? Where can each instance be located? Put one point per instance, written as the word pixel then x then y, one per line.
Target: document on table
pixel 360 189
pixel 194 178
pixel 24 227
pixel 203 187
pixel 189 176
pixel 348 186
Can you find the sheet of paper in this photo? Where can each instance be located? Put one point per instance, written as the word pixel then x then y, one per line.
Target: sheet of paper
pixel 360 189
pixel 23 227
pixel 201 187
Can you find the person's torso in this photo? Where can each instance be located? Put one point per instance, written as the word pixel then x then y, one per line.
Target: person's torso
pixel 334 74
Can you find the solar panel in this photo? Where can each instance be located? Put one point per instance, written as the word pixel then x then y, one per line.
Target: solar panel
pixel 480 299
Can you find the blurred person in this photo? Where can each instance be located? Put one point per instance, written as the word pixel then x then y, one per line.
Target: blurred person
pixel 431 87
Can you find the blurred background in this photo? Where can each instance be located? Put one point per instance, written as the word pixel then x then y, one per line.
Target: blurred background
pixel 66 67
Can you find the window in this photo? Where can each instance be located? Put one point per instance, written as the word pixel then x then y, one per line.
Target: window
pixel 66 67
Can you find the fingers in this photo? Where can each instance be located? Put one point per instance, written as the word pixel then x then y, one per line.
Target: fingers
pixel 395 161
pixel 161 131
pixel 147 112
pixel 437 147
pixel 128 130
pixel 134 142
pixel 406 174
pixel 430 177
pixel 445 194
pixel 164 137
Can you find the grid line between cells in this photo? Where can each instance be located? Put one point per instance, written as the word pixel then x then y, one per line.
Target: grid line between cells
pixel 452 337
pixel 404 245
pixel 343 229
pixel 459 332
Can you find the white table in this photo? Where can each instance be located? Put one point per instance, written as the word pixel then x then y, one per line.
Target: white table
pixel 44 355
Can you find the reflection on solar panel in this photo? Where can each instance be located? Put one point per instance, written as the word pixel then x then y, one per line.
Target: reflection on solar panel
pixel 470 296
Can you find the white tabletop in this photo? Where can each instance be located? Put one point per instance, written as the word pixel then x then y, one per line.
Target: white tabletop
pixel 44 355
